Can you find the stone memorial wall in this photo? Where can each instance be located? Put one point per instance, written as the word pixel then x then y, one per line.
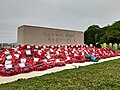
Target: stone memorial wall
pixel 48 36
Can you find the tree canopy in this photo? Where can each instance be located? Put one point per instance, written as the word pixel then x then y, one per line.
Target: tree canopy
pixel 108 34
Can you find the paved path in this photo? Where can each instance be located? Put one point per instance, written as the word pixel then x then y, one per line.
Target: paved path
pixel 55 69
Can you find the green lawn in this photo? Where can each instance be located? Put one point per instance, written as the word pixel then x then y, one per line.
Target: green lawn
pixel 117 50
pixel 103 76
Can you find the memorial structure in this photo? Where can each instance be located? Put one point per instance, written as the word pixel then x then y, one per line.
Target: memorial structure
pixel 48 36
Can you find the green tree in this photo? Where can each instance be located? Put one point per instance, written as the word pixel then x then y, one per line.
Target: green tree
pixel 91 35
pixel 107 34
pixel 112 34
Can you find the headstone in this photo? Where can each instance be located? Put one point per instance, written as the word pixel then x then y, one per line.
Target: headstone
pixel 91 45
pixel 119 46
pixel 104 45
pixel 115 46
pixel 110 45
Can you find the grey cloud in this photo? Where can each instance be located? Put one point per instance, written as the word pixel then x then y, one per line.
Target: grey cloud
pixel 73 14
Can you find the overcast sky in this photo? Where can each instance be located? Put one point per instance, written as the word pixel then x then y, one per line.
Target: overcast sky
pixel 70 14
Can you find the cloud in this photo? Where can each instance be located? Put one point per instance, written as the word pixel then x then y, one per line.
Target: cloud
pixel 73 14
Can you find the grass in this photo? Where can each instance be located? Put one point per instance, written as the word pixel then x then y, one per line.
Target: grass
pixel 102 76
pixel 117 50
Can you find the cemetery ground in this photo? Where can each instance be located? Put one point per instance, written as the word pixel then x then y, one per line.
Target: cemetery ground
pixel 102 76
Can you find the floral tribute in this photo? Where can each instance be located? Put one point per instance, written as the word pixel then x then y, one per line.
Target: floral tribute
pixel 27 58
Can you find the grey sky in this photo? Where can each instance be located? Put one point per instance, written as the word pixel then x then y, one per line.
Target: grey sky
pixel 70 14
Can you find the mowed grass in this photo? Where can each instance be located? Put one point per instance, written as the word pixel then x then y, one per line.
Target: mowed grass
pixel 102 76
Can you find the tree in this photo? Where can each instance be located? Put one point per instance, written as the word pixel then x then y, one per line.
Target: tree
pixel 91 34
pixel 112 34
pixel 108 34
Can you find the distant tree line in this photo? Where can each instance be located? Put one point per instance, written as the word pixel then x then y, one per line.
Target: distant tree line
pixel 108 34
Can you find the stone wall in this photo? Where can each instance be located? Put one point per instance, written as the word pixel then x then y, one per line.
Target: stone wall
pixel 48 36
